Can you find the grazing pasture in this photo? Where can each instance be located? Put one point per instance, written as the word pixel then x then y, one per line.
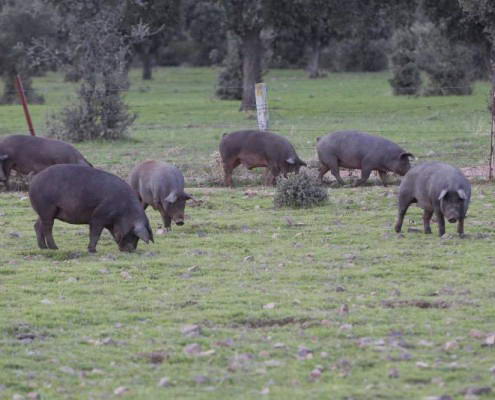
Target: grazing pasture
pixel 249 301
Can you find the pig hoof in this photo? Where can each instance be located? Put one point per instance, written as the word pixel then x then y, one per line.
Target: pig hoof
pixel 428 232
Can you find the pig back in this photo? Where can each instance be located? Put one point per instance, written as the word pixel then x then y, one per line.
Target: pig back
pixel 271 146
pixel 78 190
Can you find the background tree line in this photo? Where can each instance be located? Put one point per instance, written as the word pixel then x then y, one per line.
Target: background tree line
pixel 432 47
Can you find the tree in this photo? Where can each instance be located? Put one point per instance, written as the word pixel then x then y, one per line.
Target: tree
pixel 246 19
pixel 94 44
pixel 314 22
pixel 163 19
pixel 20 24
pixel 482 12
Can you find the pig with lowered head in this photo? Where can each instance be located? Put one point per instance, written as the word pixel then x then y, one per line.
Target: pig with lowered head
pixel 258 149
pixel 439 189
pixel 160 185
pixel 358 150
pixel 82 195
pixel 31 154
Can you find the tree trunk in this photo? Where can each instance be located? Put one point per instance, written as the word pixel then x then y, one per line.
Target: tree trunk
pixel 146 59
pixel 313 67
pixel 252 52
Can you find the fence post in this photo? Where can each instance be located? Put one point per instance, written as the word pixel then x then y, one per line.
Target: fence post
pixel 261 106
pixel 22 96
pixel 492 134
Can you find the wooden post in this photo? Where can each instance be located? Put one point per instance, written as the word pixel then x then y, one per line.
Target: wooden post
pixel 261 106
pixel 492 139
pixel 22 96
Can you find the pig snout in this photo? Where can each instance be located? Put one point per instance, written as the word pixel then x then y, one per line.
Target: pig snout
pixel 452 220
pixel 179 220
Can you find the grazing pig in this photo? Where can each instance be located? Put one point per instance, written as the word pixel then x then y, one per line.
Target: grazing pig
pixel 258 149
pixel 32 154
pixel 357 150
pixel 82 195
pixel 160 185
pixel 437 188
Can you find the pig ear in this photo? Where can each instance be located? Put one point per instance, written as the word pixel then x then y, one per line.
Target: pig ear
pixel 142 233
pixel 171 198
pixel 442 194
pixel 404 154
pixel 3 157
pixel 291 161
pixel 462 194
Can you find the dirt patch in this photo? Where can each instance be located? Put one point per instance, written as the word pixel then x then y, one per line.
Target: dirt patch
pixel 270 322
pixel 415 303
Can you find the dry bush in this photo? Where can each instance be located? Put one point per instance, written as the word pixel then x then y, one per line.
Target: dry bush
pixel 299 191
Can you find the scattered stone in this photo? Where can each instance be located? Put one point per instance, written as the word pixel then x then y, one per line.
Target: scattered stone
pixel 206 353
pixel 201 379
pixel 340 289
pixel 126 275
pixel 191 330
pixel 14 235
pixel 490 340
pixel 225 343
pixel 450 346
pixel 248 258
pixel 273 363
pixel 475 333
pixel 194 268
pixel 193 348
pixel 165 382
pixel 344 309
pixel 34 396
pixel 304 353
pixel 324 354
pixel 46 301
pixel 17 396
pixel 279 345
pixel 393 373
pixel 120 391
pixel 421 364
pixel 269 306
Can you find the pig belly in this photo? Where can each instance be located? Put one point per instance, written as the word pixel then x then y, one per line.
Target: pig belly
pixel 251 160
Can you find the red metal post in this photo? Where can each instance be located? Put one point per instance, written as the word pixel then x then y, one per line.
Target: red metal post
pixel 22 96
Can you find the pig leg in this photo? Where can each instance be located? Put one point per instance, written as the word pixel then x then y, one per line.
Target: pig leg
pixel 383 177
pixel 38 228
pixel 333 164
pixel 323 170
pixel 47 226
pixel 460 227
pixel 275 173
pixel 427 214
pixel 404 202
pixel 441 222
pixel 95 230
pixel 227 169
pixel 365 174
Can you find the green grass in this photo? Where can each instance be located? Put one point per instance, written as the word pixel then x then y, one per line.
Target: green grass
pixel 78 326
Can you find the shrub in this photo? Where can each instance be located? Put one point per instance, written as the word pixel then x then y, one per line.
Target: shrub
pixel 406 75
pixel 299 191
pixel 449 65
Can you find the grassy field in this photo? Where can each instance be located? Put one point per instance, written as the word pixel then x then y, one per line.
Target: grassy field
pixel 246 301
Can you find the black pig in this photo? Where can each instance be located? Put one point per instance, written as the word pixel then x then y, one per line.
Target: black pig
pixel 358 150
pixel 82 195
pixel 32 154
pixel 438 188
pixel 258 149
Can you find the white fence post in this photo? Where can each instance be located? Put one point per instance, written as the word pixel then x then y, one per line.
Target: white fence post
pixel 261 106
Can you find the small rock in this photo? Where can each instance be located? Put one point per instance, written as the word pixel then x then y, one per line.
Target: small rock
pixel 46 301
pixel 273 363
pixel 393 373
pixel 324 354
pixel 14 235
pixel 201 379
pixel 248 258
pixel 191 330
pixel 165 382
pixel 340 289
pixel 475 333
pixel 421 364
pixel 269 306
pixel 490 340
pixel 477 391
pixel 344 309
pixel 155 357
pixel 17 396
pixel 120 391
pixel 264 354
pixel 316 373
pixel 126 275
pixel 33 396
pixel 450 346
pixel 193 348
pixel 304 353
pixel 279 345
pixel 194 268
pixel 206 353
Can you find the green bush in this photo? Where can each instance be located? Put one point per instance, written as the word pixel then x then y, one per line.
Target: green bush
pixel 299 191
pixel 406 78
